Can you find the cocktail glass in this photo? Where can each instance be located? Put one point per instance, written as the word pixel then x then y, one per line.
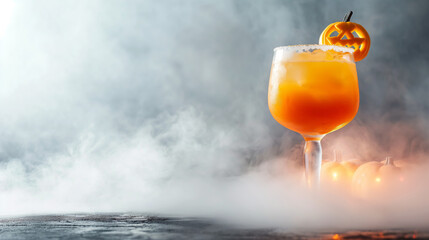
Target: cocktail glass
pixel 313 90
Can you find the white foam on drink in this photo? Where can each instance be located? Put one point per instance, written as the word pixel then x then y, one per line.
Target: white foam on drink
pixel 312 47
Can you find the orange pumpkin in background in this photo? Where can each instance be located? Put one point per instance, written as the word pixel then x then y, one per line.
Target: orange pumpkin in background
pixel 339 171
pixel 373 177
pixel 341 34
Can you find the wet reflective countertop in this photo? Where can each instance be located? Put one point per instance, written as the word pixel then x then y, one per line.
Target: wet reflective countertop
pixel 135 226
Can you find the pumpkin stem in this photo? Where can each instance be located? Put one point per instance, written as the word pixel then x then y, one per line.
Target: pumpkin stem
pixel 389 161
pixel 338 157
pixel 348 16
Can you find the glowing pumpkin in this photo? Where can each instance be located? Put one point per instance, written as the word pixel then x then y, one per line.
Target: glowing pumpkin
pixel 345 37
pixel 338 170
pixel 373 177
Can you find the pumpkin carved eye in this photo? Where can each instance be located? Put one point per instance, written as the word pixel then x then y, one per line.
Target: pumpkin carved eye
pixel 347 34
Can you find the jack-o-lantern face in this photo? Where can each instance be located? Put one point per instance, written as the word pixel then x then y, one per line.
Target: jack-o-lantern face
pixel 341 34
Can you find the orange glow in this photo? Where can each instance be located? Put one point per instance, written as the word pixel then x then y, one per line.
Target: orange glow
pixel 313 97
pixel 336 236
pixel 334 176
pixel 378 179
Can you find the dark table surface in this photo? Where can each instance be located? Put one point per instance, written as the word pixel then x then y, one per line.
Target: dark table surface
pixel 139 226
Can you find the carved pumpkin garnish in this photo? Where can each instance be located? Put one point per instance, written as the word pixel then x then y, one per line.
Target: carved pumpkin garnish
pixel 345 37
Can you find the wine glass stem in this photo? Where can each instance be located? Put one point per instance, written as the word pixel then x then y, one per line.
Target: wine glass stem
pixel 313 162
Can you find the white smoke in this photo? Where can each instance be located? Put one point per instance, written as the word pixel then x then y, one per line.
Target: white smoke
pixel 161 108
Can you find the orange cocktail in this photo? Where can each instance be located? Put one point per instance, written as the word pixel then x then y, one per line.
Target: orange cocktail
pixel 313 92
